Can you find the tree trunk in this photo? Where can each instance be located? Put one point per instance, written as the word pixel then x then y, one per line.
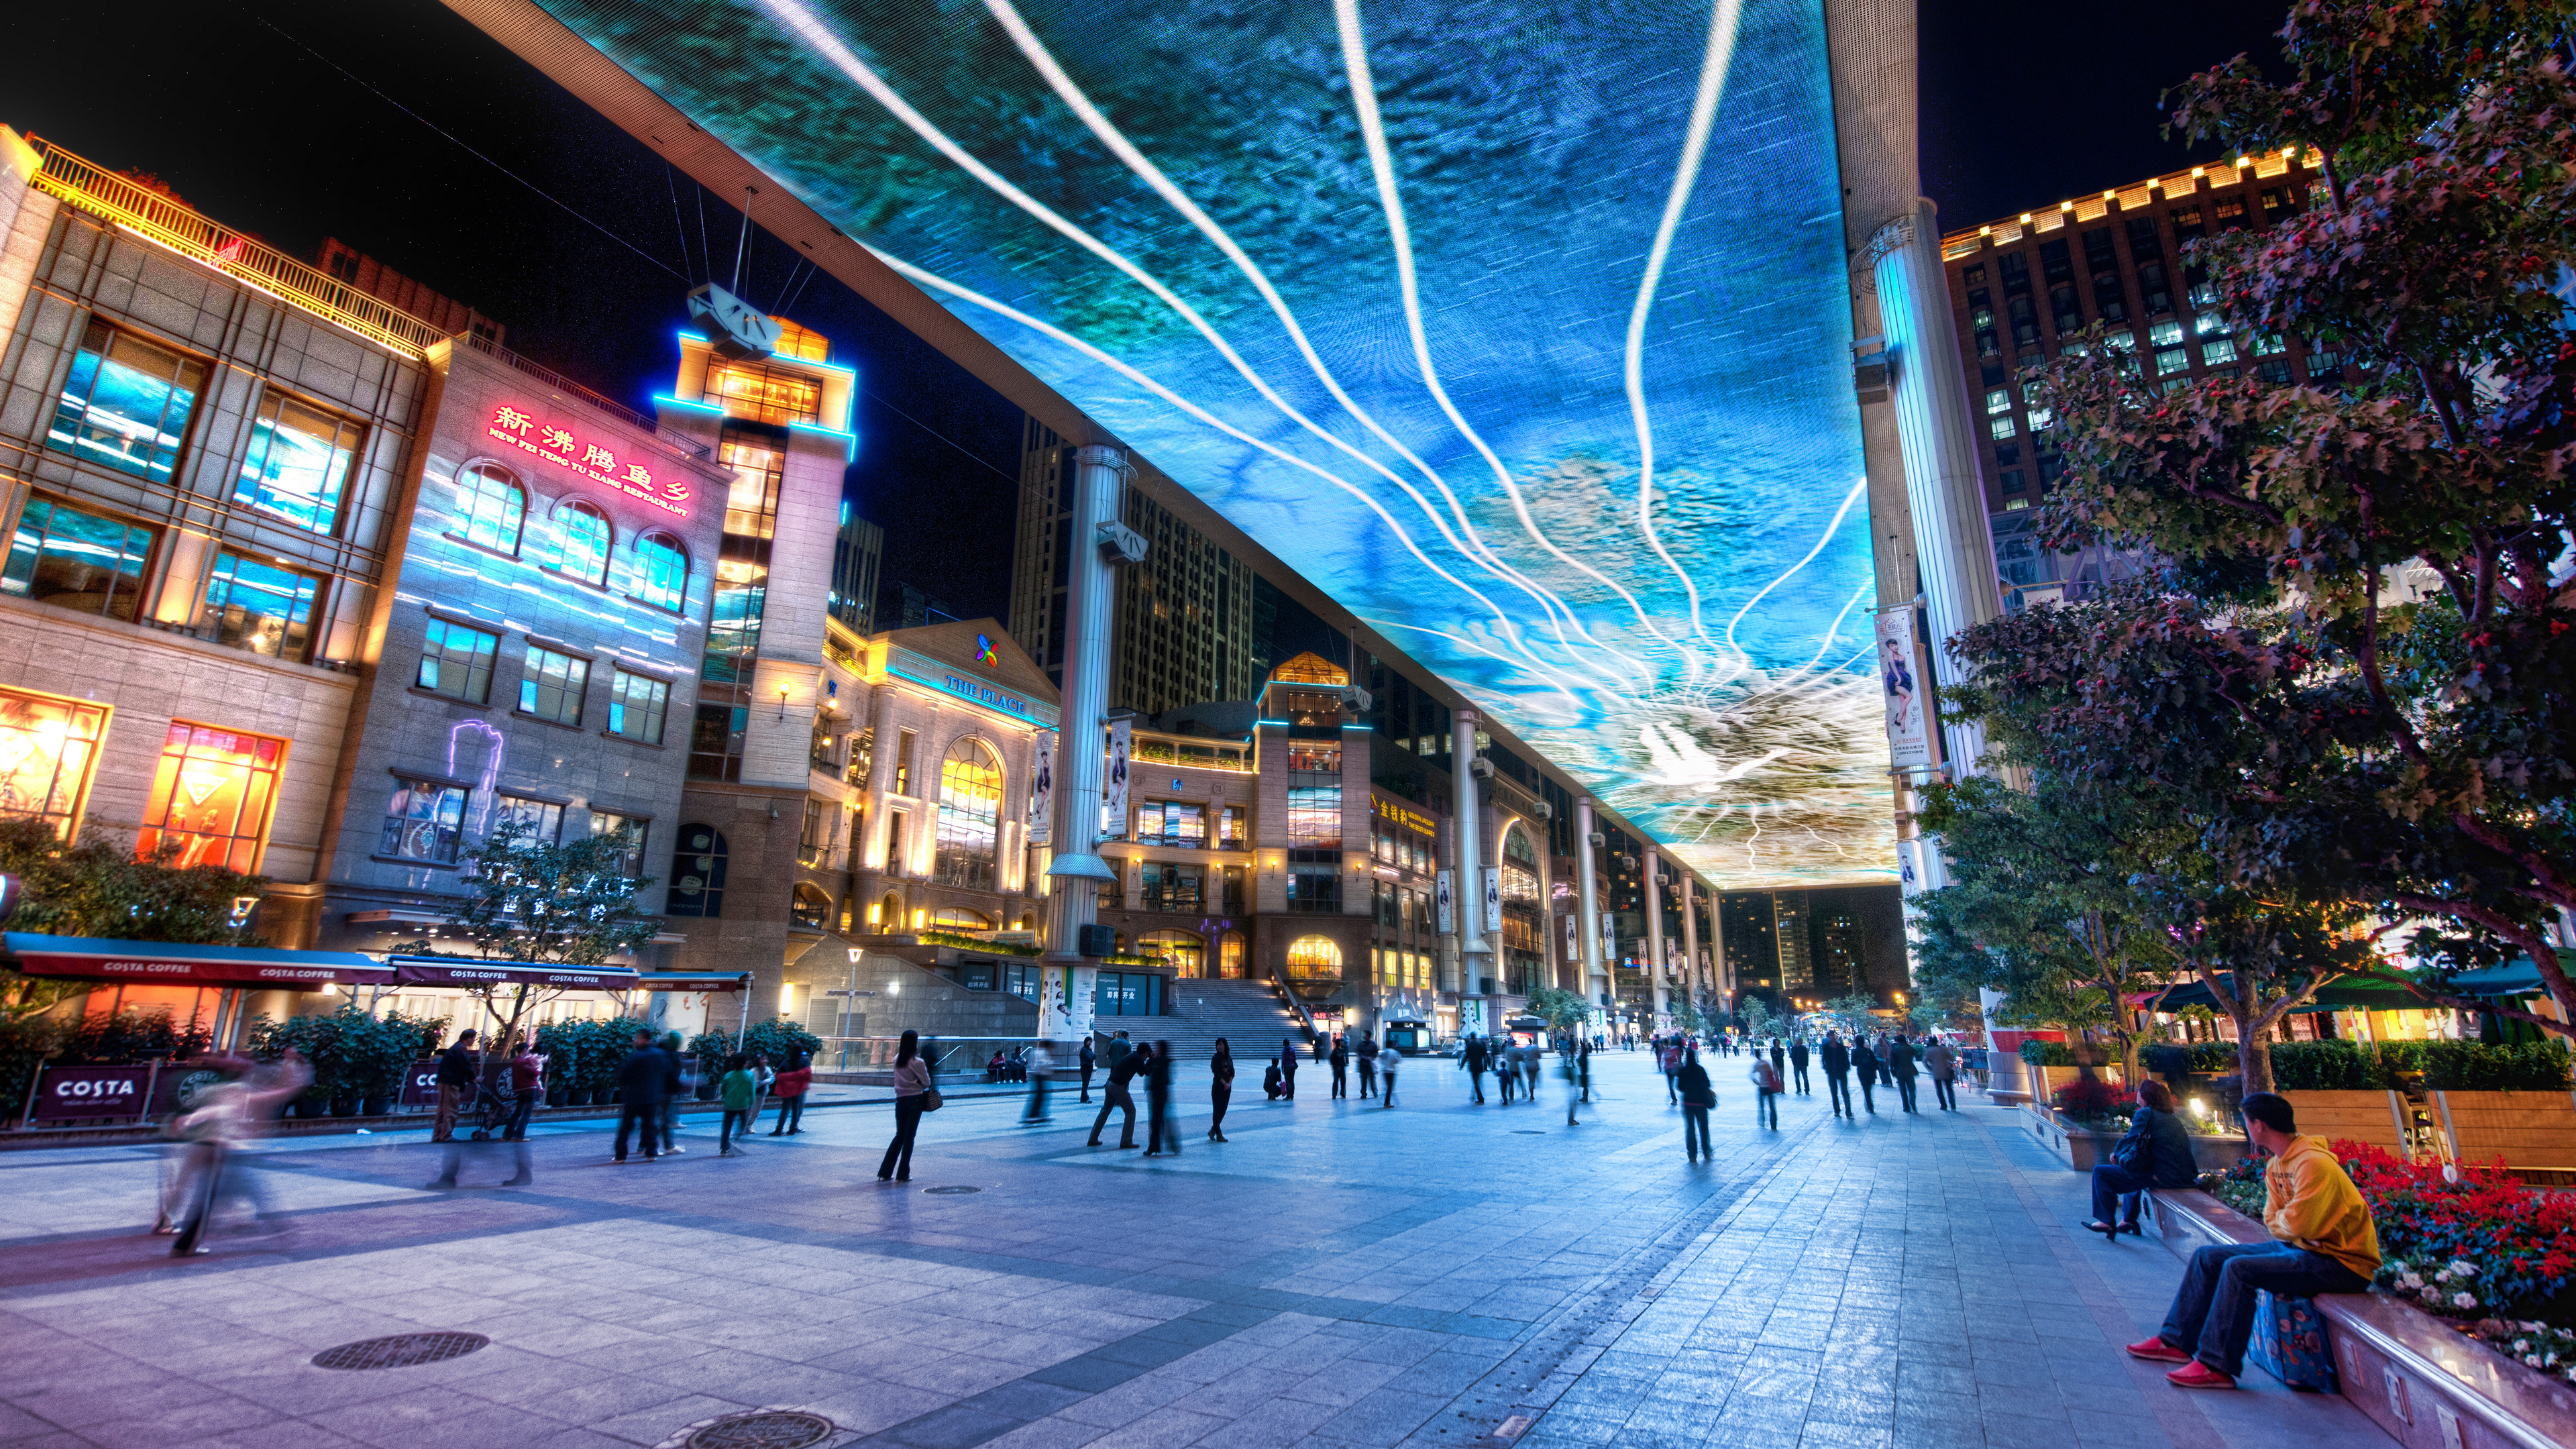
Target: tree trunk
pixel 2253 1058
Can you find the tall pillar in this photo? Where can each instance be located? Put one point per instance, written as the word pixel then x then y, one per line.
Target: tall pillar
pixel 1596 976
pixel 1659 971
pixel 1471 879
pixel 1953 543
pixel 1067 977
pixel 1691 988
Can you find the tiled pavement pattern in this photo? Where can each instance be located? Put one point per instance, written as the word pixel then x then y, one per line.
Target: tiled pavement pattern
pixel 1337 1274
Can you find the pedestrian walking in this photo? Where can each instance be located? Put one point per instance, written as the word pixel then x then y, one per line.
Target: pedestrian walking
pixel 674 1086
pixel 1698 1095
pixel 1341 1065
pixel 1766 1092
pixel 1089 1061
pixel 227 1115
pixel 1507 1070
pixel 456 1073
pixel 1900 1067
pixel 913 1096
pixel 1837 1064
pixel 1041 1069
pixel 765 1075
pixel 1471 1060
pixel 1220 1088
pixel 1668 1060
pixel 1287 1070
pixel 1942 1059
pixel 1569 1062
pixel 1387 1061
pixel 1367 1053
pixel 1779 1059
pixel 1583 1057
pixel 639 1096
pixel 1162 1125
pixel 739 1092
pixel 1116 1097
pixel 1865 1065
pixel 1798 1064
pixel 790 1091
pixel 527 1088
pixel 1532 1062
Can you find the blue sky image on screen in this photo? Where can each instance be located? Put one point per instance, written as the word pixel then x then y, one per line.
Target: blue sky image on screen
pixel 1519 327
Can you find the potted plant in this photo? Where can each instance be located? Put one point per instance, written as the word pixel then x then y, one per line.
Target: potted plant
pixel 711 1048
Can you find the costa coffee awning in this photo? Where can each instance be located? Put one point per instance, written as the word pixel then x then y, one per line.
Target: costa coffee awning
pixel 466 971
pixel 694 980
pixel 162 963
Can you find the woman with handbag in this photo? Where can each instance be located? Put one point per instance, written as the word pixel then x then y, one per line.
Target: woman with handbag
pixel 2155 1153
pixel 913 1095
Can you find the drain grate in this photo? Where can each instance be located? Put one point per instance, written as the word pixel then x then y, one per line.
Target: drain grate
pixel 400 1351
pixel 762 1429
pixel 1527 1132
pixel 949 1191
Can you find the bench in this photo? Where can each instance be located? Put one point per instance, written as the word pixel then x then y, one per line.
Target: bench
pixel 2290 1339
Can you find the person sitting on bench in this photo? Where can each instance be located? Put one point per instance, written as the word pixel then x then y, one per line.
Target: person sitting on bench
pixel 2325 1242
pixel 2156 1153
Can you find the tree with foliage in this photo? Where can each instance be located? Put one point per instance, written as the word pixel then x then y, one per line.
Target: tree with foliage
pixel 1565 1012
pixel 1852 1014
pixel 553 904
pixel 101 888
pixel 2326 732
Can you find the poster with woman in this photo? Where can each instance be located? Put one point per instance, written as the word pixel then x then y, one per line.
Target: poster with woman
pixel 1901 680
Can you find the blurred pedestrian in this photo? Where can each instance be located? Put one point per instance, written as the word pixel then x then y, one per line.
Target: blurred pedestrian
pixel 1837 1064
pixel 1162 1125
pixel 740 1092
pixel 226 1116
pixel 1507 1068
pixel 1900 1068
pixel 1287 1069
pixel 1766 1091
pixel 1341 1059
pixel 1780 1059
pixel 1942 1059
pixel 1220 1088
pixel 911 1099
pixel 1698 1095
pixel 639 1096
pixel 1090 1062
pixel 1040 1064
pixel 1798 1064
pixel 1387 1061
pixel 1471 1060
pixel 456 1076
pixel 1668 1060
pixel 790 1090
pixel 675 1085
pixel 1533 1061
pixel 527 1088
pixel 1865 1066
pixel 1117 1097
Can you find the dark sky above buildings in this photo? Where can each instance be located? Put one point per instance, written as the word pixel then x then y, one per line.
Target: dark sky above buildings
pixel 242 107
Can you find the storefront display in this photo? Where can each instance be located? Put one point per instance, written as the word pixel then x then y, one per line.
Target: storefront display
pixel 48 746
pixel 211 796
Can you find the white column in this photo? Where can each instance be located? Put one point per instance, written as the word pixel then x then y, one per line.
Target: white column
pixel 1596 976
pixel 1659 971
pixel 1471 880
pixel 1953 545
pixel 1065 976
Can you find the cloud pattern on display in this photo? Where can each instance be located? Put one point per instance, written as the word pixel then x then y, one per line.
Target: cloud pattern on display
pixel 1521 329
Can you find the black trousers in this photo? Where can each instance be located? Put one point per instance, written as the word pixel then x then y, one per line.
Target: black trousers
pixel 1946 1092
pixel 1504 1079
pixel 639 1114
pixel 1288 1083
pixel 1115 1098
pixel 1368 1077
pixel 1162 1124
pixel 1868 1103
pixel 1390 1088
pixel 1695 1132
pixel 1086 1085
pixel 907 1121
pixel 2213 1310
pixel 1905 1092
pixel 1799 1069
pixel 1217 1098
pixel 1341 1079
pixel 1766 1103
pixel 1037 1101
pixel 791 1115
pixel 732 1120
pixel 1838 1088
pixel 2111 1184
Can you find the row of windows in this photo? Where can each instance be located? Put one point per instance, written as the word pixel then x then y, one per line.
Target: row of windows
pixel 92 563
pixel 492 512
pixel 425 821
pixel 456 660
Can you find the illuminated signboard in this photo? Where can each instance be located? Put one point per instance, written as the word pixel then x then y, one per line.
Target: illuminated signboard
pixel 592 460
pixel 1522 329
pixel 922 669
pixel 1414 819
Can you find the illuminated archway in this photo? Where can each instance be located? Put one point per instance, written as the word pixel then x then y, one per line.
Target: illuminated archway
pixel 970 808
pixel 1311 957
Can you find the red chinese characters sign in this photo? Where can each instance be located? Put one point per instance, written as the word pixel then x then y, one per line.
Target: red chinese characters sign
pixel 520 429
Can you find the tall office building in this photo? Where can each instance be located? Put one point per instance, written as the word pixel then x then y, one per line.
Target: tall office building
pixel 858 554
pixel 1797 962
pixel 2023 287
pixel 1182 630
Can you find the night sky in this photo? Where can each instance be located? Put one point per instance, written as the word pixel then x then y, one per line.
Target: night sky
pixel 2024 104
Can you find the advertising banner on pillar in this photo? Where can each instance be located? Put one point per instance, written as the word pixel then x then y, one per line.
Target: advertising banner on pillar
pixel 1446 894
pixel 1904 690
pixel 1042 790
pixel 1573 938
pixel 1493 901
pixel 1113 785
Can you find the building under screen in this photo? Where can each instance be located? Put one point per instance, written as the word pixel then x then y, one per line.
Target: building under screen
pixel 1519 327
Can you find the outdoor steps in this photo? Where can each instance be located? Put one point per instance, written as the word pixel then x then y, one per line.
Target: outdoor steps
pixel 1249 1014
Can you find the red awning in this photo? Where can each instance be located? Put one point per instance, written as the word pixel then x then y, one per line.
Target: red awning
pixel 160 962
pixel 465 971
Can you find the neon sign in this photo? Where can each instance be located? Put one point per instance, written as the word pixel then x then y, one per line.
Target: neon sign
pixel 599 464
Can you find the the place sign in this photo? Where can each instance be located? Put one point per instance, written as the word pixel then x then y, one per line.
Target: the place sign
pixel 922 669
pixel 597 462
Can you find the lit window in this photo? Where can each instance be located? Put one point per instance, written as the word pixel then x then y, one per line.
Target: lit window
pixel 47 746
pixel 2165 333
pixel 299 462
pixel 970 803
pixel 490 507
pixel 810 908
pixel 630 833
pixel 636 704
pixel 581 542
pixel 126 404
pixel 552 685
pixel 661 572
pixel 424 821
pixel 1186 953
pixel 259 608
pixel 2170 360
pixel 457 661
pixel 1314 956
pixel 2208 322
pixel 2001 427
pixel 771 395
pixel 76 560
pixel 2040 418
pixel 2217 350
pixel 1171 886
pixel 540 822
pixel 1999 400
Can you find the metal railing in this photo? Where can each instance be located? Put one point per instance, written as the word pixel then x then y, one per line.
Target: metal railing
pixel 172 224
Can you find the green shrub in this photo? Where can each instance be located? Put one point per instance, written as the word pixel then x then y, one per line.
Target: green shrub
pixel 2469 1066
pixel 2047 1053
pixel 23 1044
pixel 2325 1066
pixel 2181 1058
pixel 781 1040
pixel 605 1045
pixel 128 1036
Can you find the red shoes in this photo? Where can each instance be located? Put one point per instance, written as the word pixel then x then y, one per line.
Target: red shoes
pixel 2198 1375
pixel 2158 1350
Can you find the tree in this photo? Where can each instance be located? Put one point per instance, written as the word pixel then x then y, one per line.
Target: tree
pixel 2332 737
pixel 1565 1012
pixel 552 904
pixel 1853 1014
pixel 101 888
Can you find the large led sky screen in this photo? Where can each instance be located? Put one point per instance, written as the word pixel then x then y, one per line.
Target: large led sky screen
pixel 1518 326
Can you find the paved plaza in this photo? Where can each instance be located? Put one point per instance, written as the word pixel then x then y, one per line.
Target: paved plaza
pixel 1442 1273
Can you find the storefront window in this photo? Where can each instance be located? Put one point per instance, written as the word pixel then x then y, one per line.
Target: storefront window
pixel 211 797
pixel 491 507
pixel 811 909
pixel 298 465
pixel 1179 949
pixel 75 560
pixel 126 404
pixel 698 873
pixel 970 803
pixel 1314 956
pixel 1229 955
pixel 47 748
pixel 424 821
pixel 262 609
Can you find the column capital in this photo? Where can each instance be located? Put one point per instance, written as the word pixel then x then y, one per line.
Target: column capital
pixel 1101 455
pixel 1891 236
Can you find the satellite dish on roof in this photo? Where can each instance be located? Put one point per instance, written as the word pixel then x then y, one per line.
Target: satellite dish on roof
pixel 735 328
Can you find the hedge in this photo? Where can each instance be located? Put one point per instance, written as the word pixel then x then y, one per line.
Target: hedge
pixel 2446 1066
pixel 2047 1053
pixel 2174 1058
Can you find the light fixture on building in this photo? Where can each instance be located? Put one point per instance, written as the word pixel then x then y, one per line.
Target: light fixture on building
pixel 782 701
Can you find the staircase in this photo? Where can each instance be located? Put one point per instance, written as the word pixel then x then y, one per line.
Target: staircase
pixel 1248 1014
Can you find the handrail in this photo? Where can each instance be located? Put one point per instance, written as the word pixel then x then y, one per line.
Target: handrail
pixel 1296 1008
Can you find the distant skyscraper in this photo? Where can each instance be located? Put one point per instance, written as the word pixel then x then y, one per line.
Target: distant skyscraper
pixel 904 607
pixel 858 551
pixel 1834 939
pixel 1752 931
pixel 1789 915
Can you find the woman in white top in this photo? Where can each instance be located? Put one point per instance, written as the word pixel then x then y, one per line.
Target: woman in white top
pixel 911 1086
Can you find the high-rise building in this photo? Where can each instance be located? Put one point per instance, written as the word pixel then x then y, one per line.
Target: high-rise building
pixel 1182 628
pixel 1789 920
pixel 858 552
pixel 2024 287
pixel 1751 928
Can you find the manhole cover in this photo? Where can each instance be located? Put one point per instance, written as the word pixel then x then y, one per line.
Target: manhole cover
pixel 949 1191
pixel 400 1351
pixel 762 1429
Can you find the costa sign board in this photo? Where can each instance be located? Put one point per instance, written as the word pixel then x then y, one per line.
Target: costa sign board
pixel 75 1092
pixel 420 1084
pixel 417 971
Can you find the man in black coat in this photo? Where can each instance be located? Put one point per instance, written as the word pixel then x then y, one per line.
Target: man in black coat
pixel 1472 1062
pixel 1117 1098
pixel 456 1069
pixel 639 1095
pixel 1798 1064
pixel 1837 1073
pixel 1865 1063
pixel 1900 1068
pixel 1698 1095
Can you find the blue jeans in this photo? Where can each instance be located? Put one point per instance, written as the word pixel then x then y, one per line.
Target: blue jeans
pixel 516 1130
pixel 2213 1310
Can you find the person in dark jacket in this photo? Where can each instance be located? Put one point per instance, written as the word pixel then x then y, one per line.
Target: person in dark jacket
pixel 1162 1127
pixel 1471 1060
pixel 1837 1064
pixel 2155 1153
pixel 674 1086
pixel 456 1068
pixel 1123 1067
pixel 1798 1064
pixel 1287 1069
pixel 639 1095
pixel 1698 1095
pixel 1220 1088
pixel 1089 1062
pixel 1341 1065
pixel 1779 1059
pixel 1366 1051
pixel 1865 1065
pixel 1900 1068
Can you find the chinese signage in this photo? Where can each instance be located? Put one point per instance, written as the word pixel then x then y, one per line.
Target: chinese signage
pixel 1412 819
pixel 924 670
pixel 594 461
pixel 1903 688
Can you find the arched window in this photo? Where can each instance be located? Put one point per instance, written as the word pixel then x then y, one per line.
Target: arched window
pixel 662 571
pixel 1312 956
pixel 970 804
pixel 952 918
pixel 697 873
pixel 811 909
pixel 490 506
pixel 582 536
pixel 1028 923
pixel 889 914
pixel 1229 955
pixel 1180 950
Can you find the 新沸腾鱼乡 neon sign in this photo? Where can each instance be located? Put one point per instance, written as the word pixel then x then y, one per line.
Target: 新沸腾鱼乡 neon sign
pixel 599 464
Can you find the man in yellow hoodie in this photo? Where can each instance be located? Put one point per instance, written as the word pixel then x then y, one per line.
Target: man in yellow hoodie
pixel 2326 1243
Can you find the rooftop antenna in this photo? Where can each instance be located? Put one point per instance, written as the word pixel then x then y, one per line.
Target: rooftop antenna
pixel 735 329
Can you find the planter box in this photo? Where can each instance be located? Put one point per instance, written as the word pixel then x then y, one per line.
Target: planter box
pixel 2427 1384
pixel 2534 1132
